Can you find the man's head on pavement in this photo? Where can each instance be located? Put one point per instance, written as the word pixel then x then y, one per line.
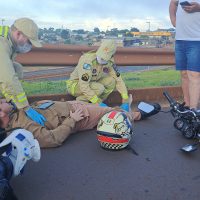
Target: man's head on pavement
pixel 25 34
pixel 106 51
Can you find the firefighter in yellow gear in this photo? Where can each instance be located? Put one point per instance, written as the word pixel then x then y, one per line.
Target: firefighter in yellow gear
pixel 19 38
pixel 96 76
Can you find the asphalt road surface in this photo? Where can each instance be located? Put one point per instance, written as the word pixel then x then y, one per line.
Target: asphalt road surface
pixel 81 170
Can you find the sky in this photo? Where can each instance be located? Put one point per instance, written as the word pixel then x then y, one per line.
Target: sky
pixel 88 14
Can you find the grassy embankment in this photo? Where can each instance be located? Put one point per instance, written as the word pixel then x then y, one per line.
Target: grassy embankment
pixel 153 78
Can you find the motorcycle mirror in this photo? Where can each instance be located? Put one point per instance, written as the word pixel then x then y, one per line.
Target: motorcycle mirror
pixel 147 108
pixel 189 148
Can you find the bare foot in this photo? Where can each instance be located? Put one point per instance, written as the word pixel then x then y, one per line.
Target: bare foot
pixel 136 116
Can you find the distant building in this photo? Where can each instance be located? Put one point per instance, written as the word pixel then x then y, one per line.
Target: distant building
pixel 152 33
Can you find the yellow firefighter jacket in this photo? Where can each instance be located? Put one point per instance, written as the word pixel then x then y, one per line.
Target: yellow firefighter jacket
pixel 10 86
pixel 88 70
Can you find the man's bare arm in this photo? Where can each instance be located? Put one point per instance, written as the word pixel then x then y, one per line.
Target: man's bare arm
pixel 172 11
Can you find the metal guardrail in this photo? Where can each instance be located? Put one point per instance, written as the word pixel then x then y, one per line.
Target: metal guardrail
pixel 68 55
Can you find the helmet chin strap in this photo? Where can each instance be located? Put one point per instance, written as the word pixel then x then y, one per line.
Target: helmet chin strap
pixel 129 148
pixel 14 107
pixel 127 122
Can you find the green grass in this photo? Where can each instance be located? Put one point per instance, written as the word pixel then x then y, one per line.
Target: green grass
pixel 153 78
pixel 44 87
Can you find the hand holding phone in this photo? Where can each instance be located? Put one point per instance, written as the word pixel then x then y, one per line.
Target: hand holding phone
pixel 185 3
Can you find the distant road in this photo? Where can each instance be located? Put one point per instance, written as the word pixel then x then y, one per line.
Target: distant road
pixel 53 74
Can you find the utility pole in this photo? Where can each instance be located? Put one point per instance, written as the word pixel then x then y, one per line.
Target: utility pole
pixel 149 28
pixel 2 20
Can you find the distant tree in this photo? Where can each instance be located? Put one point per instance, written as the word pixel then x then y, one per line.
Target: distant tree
pixel 133 29
pixel 51 29
pixel 80 31
pixel 99 37
pixel 58 31
pixel 78 38
pixel 96 30
pixel 68 41
pixel 123 31
pixel 171 29
pixel 145 37
pixel 40 33
pixel 64 34
pixel 113 32
pixel 128 34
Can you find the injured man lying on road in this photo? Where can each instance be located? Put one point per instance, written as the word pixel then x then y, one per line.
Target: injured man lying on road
pixel 62 118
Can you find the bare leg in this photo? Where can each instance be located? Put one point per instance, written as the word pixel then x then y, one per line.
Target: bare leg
pixel 185 87
pixel 194 88
pixel 135 116
pixel 130 100
pixel 142 114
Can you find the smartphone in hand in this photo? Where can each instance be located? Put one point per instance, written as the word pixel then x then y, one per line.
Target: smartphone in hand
pixel 185 3
pixel 46 105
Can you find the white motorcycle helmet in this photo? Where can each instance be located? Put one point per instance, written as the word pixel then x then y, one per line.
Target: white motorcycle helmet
pixel 114 130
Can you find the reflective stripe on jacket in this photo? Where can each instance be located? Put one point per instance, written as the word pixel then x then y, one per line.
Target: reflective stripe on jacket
pixel 4 31
pixel 10 86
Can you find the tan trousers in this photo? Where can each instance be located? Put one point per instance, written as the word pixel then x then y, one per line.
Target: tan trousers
pixel 93 114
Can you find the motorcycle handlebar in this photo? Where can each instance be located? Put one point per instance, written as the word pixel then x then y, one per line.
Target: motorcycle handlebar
pixel 169 98
pixel 175 105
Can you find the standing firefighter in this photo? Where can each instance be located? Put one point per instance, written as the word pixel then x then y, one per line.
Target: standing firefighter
pixel 96 76
pixel 17 39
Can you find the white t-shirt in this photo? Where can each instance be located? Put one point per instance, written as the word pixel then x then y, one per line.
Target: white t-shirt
pixel 187 24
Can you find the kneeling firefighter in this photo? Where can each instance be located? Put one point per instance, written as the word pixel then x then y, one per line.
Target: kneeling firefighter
pixel 96 76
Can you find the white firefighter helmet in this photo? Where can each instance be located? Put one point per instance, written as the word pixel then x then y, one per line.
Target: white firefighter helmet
pixel 23 147
pixel 114 130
